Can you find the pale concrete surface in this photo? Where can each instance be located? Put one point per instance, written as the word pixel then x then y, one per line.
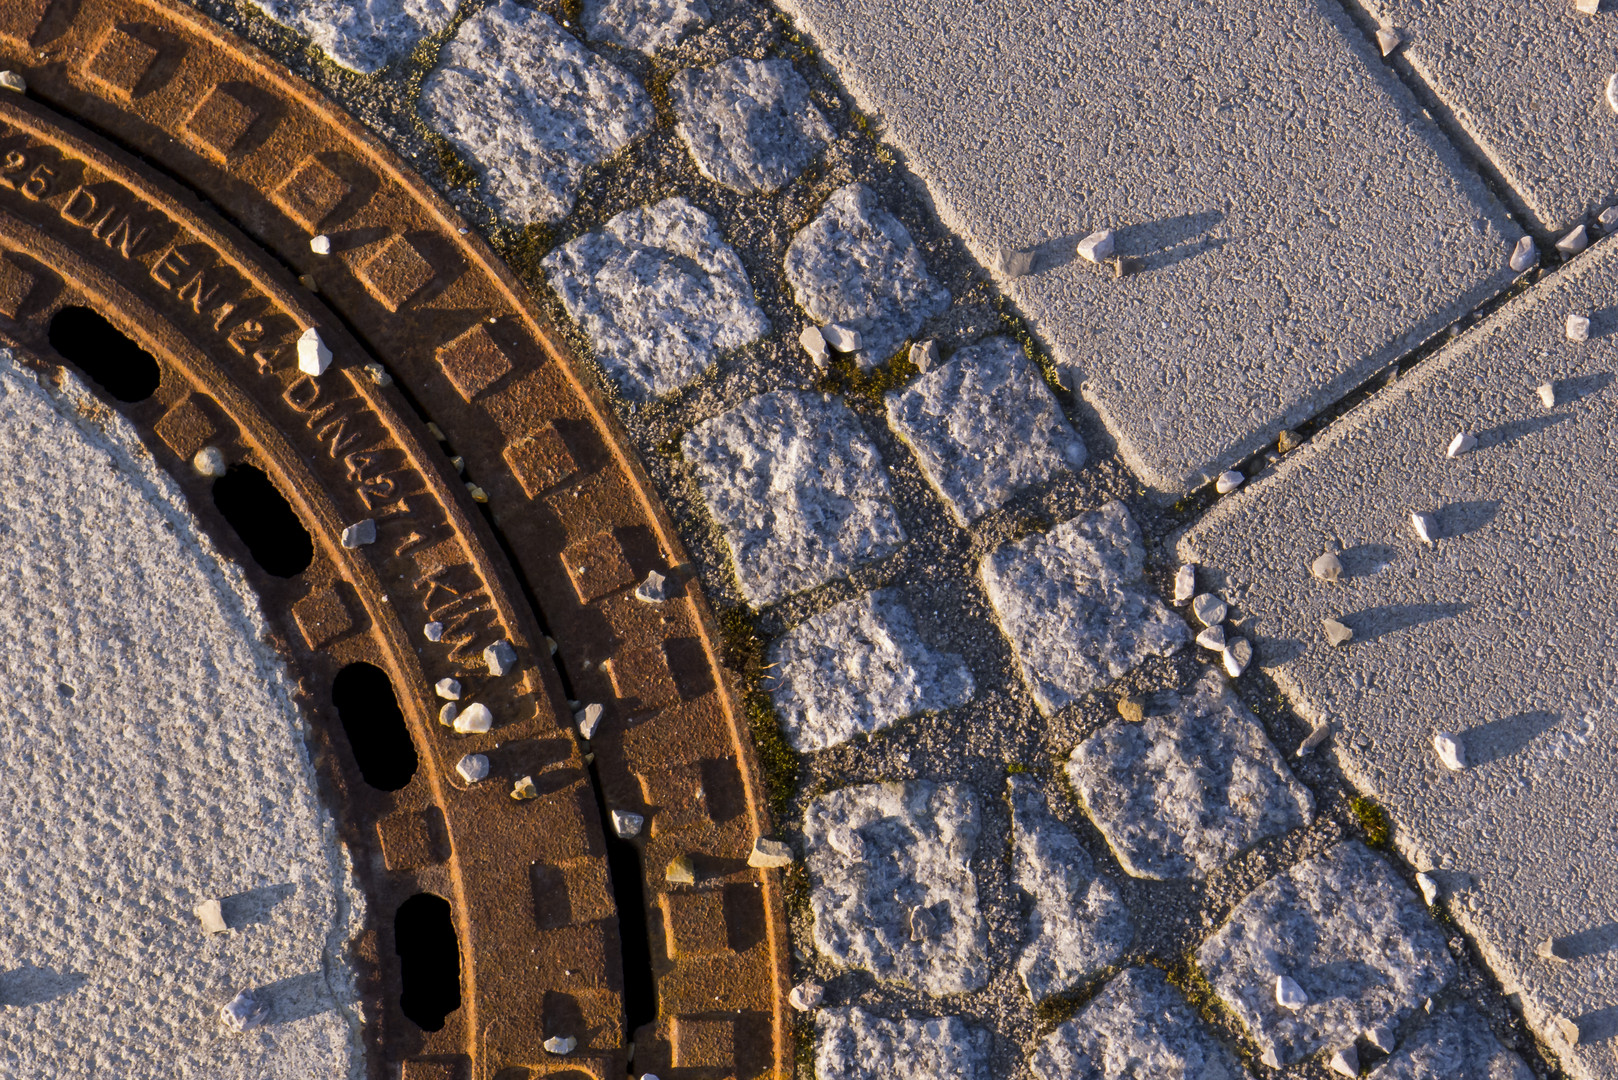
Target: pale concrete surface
pixel 1301 224
pixel 362 35
pixel 1503 632
pixel 154 760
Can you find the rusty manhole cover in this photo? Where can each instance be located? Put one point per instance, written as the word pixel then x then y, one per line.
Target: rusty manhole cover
pixel 563 930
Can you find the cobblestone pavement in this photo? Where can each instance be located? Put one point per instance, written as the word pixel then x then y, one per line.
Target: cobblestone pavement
pixel 931 440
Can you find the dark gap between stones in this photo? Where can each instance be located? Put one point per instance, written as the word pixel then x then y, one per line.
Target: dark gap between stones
pixel 264 520
pixel 103 352
pixel 375 726
pixel 429 960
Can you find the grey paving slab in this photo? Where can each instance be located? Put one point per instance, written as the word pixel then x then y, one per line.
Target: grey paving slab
pixel 362 36
pixel 1300 223
pixel 1528 83
pixel 855 1045
pixel 1344 928
pixel 749 124
pixel 660 294
pixel 1502 633
pixel 643 25
pixel 154 760
pixel 1455 1045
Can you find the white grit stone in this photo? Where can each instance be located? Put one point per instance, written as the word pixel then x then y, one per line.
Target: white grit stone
pixel 1451 751
pixel 320 245
pixel 858 668
pixel 447 714
pixel 1381 1037
pixel 1345 1061
pixel 588 720
pixel 814 343
pixel 473 767
pixel 1237 656
pixel 769 854
pixel 1185 583
pixel 1547 395
pixel 1288 994
pixel 647 26
pixel 1524 254
pixel 797 488
pixel 210 461
pixel 1212 638
pixel 1578 328
pixel 749 124
pixel 211 914
pixel 660 294
pixel 1587 7
pixel 1575 241
pixel 841 338
pixel 560 1045
pixel 475 719
pixel 360 533
pixel 1209 609
pixel 1612 93
pixel 500 657
pixel 1608 218
pixel 243 1012
pixel 362 37
pixel 523 789
pixel 856 1045
pixel 1337 633
pixel 1180 793
pixel 379 375
pixel 1311 742
pixel 626 824
pixel 1428 887
pixel 12 80
pixel 1098 246
pixel 313 356
pixel 1456 1044
pixel 1327 567
pixel 1228 481
pixel 856 264
pixel 448 688
pixel 1078 924
pixel 984 427
pixel 877 852
pixel 1075 606
pixel 532 108
pixel 654 590
pixel 1425 526
pixel 924 355
pixel 1388 40
pixel 433 631
pixel 1462 443
pixel 807 996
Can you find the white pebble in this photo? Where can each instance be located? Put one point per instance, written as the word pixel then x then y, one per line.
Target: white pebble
pixel 1547 395
pixel 1461 444
pixel 448 689
pixel 842 338
pixel 320 245
pixel 560 1044
pixel 1587 7
pixel 588 720
pixel 1387 40
pixel 473 767
pixel 313 356
pixel 1426 527
pixel 433 631
pixel 1288 994
pixel 1524 255
pixel 1337 633
pixel 1450 751
pixel 12 80
pixel 1328 567
pixel 524 789
pixel 806 996
pixel 243 1012
pixel 1212 639
pixel 210 461
pixel 1228 482
pixel 924 355
pixel 1312 741
pixel 500 657
pixel 475 719
pixel 1428 887
pixel 1209 609
pixel 814 343
pixel 359 533
pixel 212 917
pixel 1098 246
pixel 768 854
pixel 378 374
pixel 1185 583
pixel 1575 241
pixel 1346 1062
pixel 447 714
pixel 1237 655
pixel 652 590
pixel 1612 93
pixel 626 824
pixel 1608 217
pixel 1578 328
pixel 1381 1037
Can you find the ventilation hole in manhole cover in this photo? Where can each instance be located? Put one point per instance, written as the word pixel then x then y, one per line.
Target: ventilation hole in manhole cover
pixel 103 352
pixel 264 520
pixel 429 960
pixel 374 725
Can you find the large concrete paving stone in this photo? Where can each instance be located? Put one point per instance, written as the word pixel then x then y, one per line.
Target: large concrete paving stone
pixel 660 294
pixel 1301 223
pixel 1455 1045
pixel 892 887
pixel 1503 633
pixel 1078 924
pixel 1138 1028
pixel 1075 605
pixel 984 426
pixel 1528 83
pixel 856 1045
pixel 531 109
pixel 366 36
pixel 857 668
pixel 1180 793
pixel 749 124
pixel 154 759
pixel 798 489
pixel 643 25
pixel 1349 932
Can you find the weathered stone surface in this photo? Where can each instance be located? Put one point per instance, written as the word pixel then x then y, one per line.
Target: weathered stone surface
pixel 530 108
pixel 1138 1028
pixel 362 36
pixel 855 264
pixel 1075 606
pixel 1353 936
pixel 1454 1045
pixel 893 890
pixel 660 293
pixel 1078 924
pixel 643 25
pixel 798 489
pixel 855 1045
pixel 1181 792
pixel 749 124
pixel 984 426
pixel 856 668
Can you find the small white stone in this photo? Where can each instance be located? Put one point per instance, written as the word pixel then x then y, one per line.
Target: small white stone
pixel 475 719
pixel 361 532
pixel 243 1013
pixel 1587 7
pixel 472 767
pixel 1209 609
pixel 1575 241
pixel 814 343
pixel 1612 93
pixel 1312 741
pixel 842 338
pixel 1547 395
pixel 212 916
pixel 1450 751
pixel 447 714
pixel 524 789
pixel 1185 583
pixel 1429 891
pixel 1524 255
pixel 378 374
pixel 500 657
pixel 210 461
pixel 1387 40
pixel 1426 527
pixel 1228 482
pixel 448 689
pixel 653 590
pixel 433 631
pixel 1337 633
pixel 320 245
pixel 1098 246
pixel 1288 994
pixel 1578 328
pixel 1237 655
pixel 1381 1037
pixel 1346 1062
pixel 589 720
pixel 560 1044
pixel 1608 217
pixel 767 854
pixel 1212 639
pixel 11 80
pixel 1328 567
pixel 1462 443
pixel 805 997
pixel 924 355
pixel 626 824
pixel 922 924
pixel 313 356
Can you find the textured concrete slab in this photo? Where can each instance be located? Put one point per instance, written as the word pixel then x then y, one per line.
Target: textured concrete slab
pixel 1503 632
pixel 155 760
pixel 749 124
pixel 1528 82
pixel 855 1045
pixel 643 25
pixel 1299 223
pixel 362 36
pixel 1454 1045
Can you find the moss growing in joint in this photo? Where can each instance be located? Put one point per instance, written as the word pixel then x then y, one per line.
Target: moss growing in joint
pixel 843 376
pixel 524 249
pixel 744 656
pixel 458 172
pixel 1373 821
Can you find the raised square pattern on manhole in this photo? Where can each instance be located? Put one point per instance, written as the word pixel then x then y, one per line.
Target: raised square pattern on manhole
pixel 312 193
pixel 474 361
pixel 540 461
pixel 396 273
pixel 122 61
pixel 221 122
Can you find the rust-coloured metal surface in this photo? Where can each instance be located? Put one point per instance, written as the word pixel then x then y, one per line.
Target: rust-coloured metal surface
pixel 83 223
